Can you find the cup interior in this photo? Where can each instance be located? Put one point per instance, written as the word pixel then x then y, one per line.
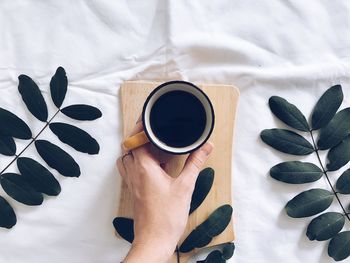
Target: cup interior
pixel 178 86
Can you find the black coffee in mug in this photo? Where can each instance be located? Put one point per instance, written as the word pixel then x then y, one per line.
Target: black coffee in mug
pixel 178 118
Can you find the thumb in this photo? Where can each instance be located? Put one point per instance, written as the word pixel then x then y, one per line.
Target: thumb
pixel 195 162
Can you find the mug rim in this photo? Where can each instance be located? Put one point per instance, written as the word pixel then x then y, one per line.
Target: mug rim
pixel 151 95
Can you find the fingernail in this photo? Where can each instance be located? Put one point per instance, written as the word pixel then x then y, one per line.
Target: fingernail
pixel 208 147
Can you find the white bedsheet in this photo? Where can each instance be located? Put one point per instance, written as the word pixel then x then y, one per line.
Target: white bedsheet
pixel 295 49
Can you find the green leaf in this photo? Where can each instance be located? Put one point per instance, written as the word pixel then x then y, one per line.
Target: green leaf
pixel 12 126
pixel 287 141
pixel 58 87
pixel 309 203
pixel 217 221
pixel 193 240
pixel 339 246
pixel 343 183
pixel 40 178
pixel 215 257
pixel 288 113
pixel 335 131
pixel 213 226
pixel 326 107
pixel 75 137
pixel 296 172
pixel 125 228
pixel 7 146
pixel 7 215
pixel 57 158
pixel 325 226
pixel 32 97
pixel 82 112
pixel 203 185
pixel 228 250
pixel 16 187
pixel 339 155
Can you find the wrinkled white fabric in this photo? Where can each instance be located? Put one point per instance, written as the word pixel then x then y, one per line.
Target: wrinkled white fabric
pixel 294 49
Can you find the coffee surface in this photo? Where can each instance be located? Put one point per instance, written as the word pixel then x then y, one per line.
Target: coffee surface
pixel 178 118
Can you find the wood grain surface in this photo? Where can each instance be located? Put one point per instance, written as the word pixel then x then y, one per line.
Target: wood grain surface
pixel 224 99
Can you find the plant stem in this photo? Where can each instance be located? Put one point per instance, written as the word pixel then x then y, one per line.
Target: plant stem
pixel 325 173
pixel 177 254
pixel 33 140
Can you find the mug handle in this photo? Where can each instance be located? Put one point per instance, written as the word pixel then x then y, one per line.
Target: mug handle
pixel 135 141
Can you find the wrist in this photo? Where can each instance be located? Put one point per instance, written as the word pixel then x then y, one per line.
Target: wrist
pixel 150 251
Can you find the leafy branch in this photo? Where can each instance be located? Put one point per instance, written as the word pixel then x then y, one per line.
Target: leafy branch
pixel 203 234
pixel 26 147
pixel 34 179
pixel 326 175
pixel 333 129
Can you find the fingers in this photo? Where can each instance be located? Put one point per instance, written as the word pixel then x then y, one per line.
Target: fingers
pixel 195 163
pixel 121 167
pixel 128 161
pixel 144 151
pixel 137 128
pixel 122 171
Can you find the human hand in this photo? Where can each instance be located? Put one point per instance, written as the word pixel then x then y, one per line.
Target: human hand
pixel 161 202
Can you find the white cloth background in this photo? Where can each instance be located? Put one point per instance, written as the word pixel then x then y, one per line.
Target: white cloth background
pixel 295 49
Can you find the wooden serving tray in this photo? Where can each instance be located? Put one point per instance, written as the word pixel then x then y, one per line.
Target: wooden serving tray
pixel 224 99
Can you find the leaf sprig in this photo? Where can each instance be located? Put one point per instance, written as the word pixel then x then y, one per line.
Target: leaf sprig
pixel 333 128
pixel 35 179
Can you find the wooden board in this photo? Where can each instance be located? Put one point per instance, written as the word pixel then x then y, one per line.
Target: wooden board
pixel 224 99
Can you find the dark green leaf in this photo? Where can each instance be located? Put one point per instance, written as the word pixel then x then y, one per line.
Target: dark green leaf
pixel 228 250
pixel 40 178
pixel 326 107
pixel 57 158
pixel 7 215
pixel 339 247
pixel 58 87
pixel 82 112
pixel 339 155
pixel 288 113
pixel 193 240
pixel 335 131
pixel 309 203
pixel 203 185
pixel 325 226
pixel 343 183
pixel 217 221
pixel 12 126
pixel 213 226
pixel 125 228
pixel 75 137
pixel 32 97
pixel 17 187
pixel 287 141
pixel 215 257
pixel 7 146
pixel 296 172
